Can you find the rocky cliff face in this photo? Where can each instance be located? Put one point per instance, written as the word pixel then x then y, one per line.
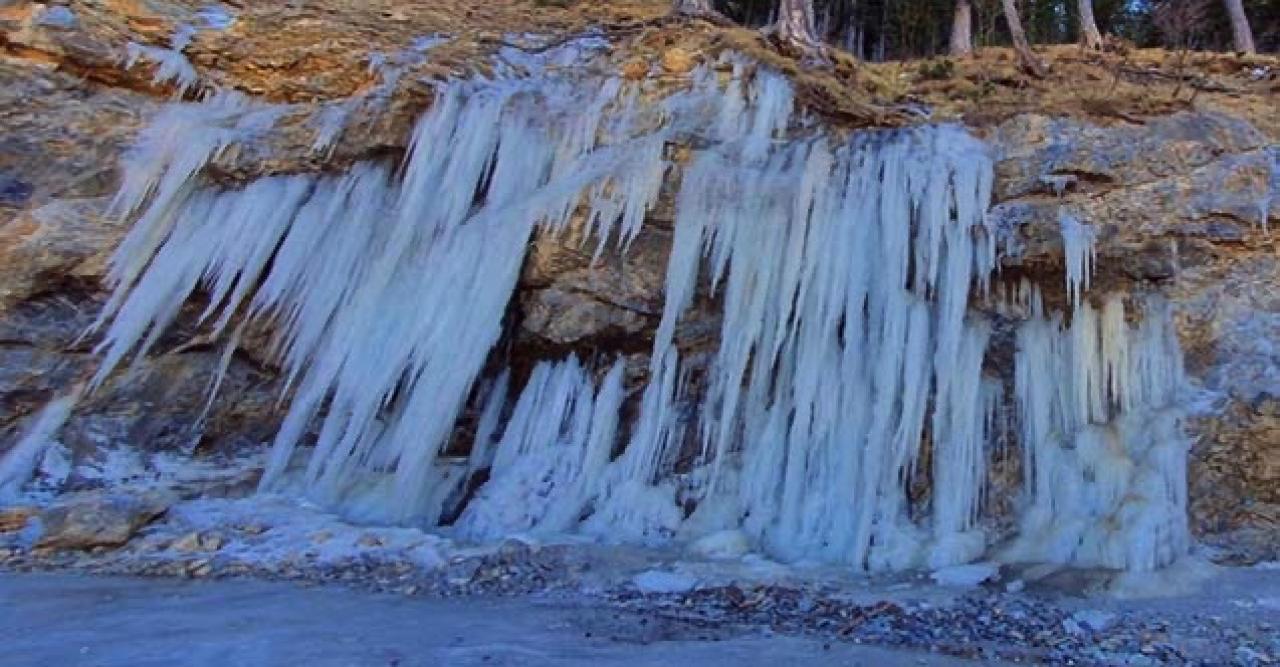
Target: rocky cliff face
pixel 1179 202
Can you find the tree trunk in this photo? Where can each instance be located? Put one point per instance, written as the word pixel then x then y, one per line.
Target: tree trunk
pixel 1089 33
pixel 692 7
pixel 795 26
pixel 962 29
pixel 1240 27
pixel 1030 61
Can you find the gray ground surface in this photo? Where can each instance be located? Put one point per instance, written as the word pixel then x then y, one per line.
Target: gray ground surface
pixel 67 620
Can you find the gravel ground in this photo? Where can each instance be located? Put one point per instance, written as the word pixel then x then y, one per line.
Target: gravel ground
pixel 1202 615
pixel 67 621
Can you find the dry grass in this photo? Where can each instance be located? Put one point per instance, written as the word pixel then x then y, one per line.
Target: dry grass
pixel 320 49
pixel 1102 87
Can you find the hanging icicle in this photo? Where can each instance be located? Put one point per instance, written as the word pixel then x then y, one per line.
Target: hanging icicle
pixel 1103 449
pixel 848 356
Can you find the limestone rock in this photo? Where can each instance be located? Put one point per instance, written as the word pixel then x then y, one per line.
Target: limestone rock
pixel 564 317
pixel 98 519
pixel 1032 147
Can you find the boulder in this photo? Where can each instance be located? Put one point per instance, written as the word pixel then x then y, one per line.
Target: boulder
pixel 98 518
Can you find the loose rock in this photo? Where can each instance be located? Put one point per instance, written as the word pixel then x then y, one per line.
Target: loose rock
pixel 104 518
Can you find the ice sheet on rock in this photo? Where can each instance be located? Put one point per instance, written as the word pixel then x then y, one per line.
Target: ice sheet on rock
pixel 270 531
pixel 965 576
pixel 214 17
pixel 59 17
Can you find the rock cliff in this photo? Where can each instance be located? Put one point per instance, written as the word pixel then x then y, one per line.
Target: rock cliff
pixel 1182 199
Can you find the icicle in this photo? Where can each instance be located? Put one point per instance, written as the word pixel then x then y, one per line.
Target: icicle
pixel 552 455
pixel 826 363
pixel 1077 249
pixel 329 124
pixel 1105 455
pixel 19 463
pixel 171 66
pixel 224 363
pixel 848 351
pixel 635 503
pixel 482 448
pixel 332 260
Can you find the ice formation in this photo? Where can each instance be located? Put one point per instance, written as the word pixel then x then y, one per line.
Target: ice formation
pixel 1104 452
pixel 20 461
pixel 850 369
pixel 171 66
pixel 332 261
pixel 1077 250
pixel 552 455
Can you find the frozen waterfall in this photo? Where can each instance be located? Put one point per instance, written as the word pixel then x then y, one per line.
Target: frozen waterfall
pixel 850 374
pixel 1104 450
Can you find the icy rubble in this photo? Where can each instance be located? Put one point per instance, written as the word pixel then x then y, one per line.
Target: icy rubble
pixel 849 361
pixel 272 532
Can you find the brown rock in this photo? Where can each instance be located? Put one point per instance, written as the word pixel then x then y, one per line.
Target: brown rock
pixel 676 60
pixel 98 518
pixel 15 518
pixel 635 70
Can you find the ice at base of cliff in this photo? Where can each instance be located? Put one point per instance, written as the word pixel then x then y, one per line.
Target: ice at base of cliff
pixel 121 466
pixel 273 531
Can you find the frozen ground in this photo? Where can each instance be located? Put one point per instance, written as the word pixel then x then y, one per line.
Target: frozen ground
pixel 387 595
pixel 67 620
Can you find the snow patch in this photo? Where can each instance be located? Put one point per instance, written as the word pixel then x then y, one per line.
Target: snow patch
pixel 271 532
pixel 663 583
pixel 721 545
pixel 965 576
